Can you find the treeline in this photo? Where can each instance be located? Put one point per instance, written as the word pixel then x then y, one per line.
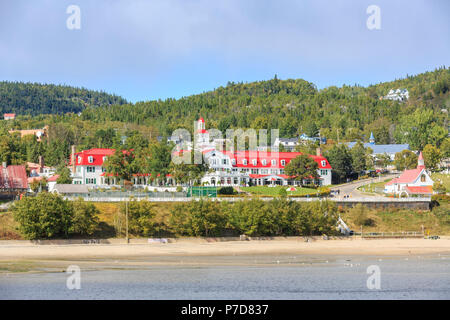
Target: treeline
pixel 206 218
pixel 34 98
pixel 49 216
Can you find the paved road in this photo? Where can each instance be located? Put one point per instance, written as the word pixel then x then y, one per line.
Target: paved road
pixel 351 188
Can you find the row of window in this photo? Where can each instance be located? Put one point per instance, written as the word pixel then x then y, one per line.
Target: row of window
pixel 90 159
pixel 245 162
pixel 255 162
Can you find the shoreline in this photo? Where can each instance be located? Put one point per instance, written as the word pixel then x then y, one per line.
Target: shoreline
pixel 16 251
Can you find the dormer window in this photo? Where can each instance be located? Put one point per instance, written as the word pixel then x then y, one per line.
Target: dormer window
pixel 254 162
pixel 79 160
pixel 323 163
pixel 264 162
pixel 283 162
pixel 90 159
pixel 244 162
pixel 233 162
pixel 104 159
pixel 274 162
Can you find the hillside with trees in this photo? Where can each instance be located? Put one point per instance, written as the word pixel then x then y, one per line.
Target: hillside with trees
pixel 34 98
pixel 342 114
pixel 297 106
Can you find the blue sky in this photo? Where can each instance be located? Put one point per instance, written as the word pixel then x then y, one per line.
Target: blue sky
pixel 152 49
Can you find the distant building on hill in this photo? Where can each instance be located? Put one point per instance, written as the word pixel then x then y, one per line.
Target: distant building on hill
pixel 397 95
pixel 39 133
pixel 289 144
pixel 380 149
pixel 9 116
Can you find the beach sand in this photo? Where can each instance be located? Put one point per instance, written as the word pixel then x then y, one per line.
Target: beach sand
pixel 192 248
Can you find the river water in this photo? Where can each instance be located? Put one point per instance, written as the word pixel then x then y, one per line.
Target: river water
pixel 249 277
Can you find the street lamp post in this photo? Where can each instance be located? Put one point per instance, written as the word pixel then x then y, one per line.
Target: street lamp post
pixel 126 220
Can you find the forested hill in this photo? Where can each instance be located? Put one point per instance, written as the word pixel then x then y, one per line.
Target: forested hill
pixel 296 106
pixel 34 98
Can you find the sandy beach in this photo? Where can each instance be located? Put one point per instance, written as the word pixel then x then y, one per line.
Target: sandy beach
pixel 26 251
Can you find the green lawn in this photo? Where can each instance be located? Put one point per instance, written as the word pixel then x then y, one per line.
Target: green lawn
pixel 274 191
pixel 375 187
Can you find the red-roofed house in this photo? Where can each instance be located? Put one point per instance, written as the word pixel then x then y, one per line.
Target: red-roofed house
pixel 87 168
pixel 411 182
pixel 9 116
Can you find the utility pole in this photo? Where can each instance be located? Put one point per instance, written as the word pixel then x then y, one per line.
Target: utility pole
pixel 126 220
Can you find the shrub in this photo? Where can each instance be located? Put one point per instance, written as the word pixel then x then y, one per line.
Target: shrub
pixel 198 218
pixel 45 216
pixel 282 192
pixel 226 191
pixel 140 217
pixel 85 218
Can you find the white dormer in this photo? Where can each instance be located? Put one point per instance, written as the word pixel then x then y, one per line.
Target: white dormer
pixel 244 162
pixel 90 159
pixel 79 160
pixel 274 162
pixel 254 162
pixel 283 162
pixel 104 158
pixel 264 162
pixel 323 163
pixel 233 162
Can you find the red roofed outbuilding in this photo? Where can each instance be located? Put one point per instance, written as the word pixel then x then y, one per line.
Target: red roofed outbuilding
pixel 414 181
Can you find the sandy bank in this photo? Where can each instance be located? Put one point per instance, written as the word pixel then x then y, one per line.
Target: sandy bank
pixel 21 251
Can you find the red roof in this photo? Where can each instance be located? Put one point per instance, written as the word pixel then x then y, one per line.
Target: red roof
pixel 13 177
pixel 408 176
pixel 420 190
pixel 9 115
pixel 53 178
pixel 202 131
pixel 96 154
pixel 201 120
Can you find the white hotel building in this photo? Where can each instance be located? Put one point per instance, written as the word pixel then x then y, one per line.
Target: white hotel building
pixel 226 168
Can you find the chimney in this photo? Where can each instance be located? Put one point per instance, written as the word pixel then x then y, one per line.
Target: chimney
pixel 41 164
pixel 318 151
pixel 73 159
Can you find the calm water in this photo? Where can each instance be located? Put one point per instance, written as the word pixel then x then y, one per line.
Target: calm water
pixel 278 277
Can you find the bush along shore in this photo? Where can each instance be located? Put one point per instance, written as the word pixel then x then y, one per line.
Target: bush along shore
pixel 48 216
